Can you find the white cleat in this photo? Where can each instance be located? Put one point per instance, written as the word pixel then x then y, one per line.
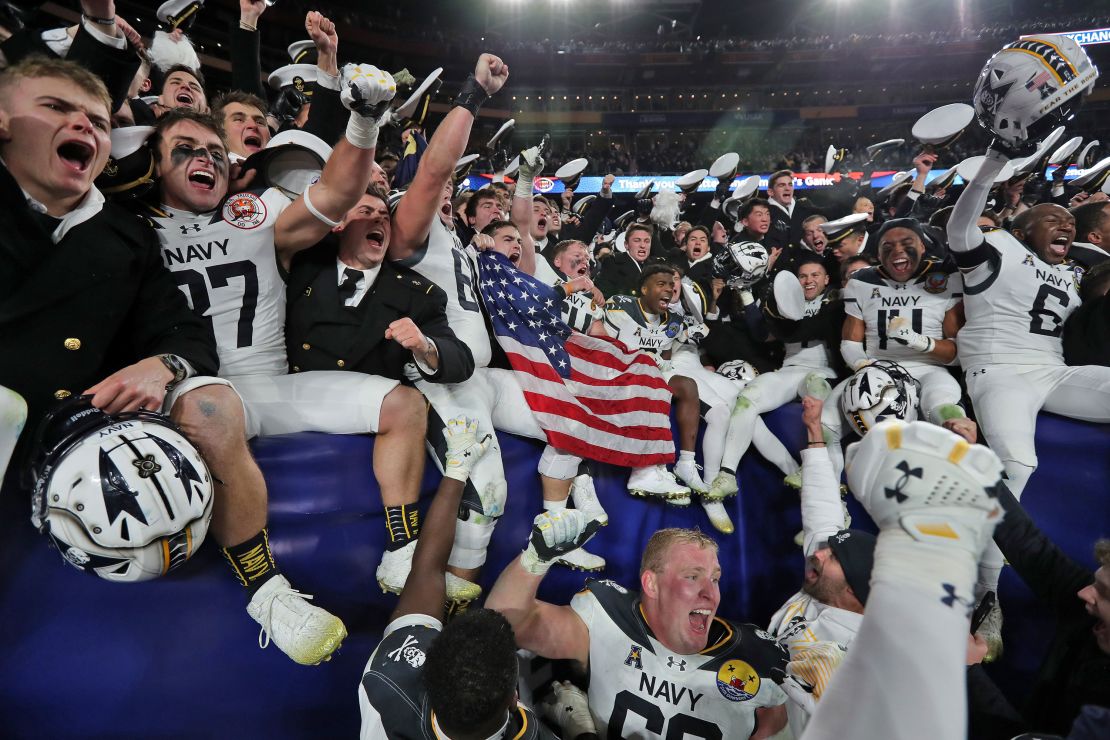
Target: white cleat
pixel 723 486
pixel 928 481
pixel 306 633
pixel 584 495
pixel 718 517
pixel 581 560
pixel 394 571
pixel 991 631
pixel 687 472
pixel 657 481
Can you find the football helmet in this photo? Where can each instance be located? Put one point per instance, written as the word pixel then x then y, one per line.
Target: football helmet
pixel 126 497
pixel 741 264
pixel 880 391
pixel 741 370
pixel 1031 86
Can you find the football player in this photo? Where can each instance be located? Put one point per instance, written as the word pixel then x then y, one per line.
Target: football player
pixel 908 310
pixel 718 677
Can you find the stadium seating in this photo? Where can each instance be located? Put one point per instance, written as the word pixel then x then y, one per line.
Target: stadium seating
pixel 177 657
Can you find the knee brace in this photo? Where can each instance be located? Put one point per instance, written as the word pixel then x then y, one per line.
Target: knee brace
pixel 472 537
pixel 558 465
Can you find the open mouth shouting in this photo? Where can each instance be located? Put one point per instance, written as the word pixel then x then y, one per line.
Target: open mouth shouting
pixel 76 155
pixel 252 142
pixel 541 225
pixel 184 99
pixel 699 620
pixel 375 238
pixel 901 266
pixel 202 178
pixel 1058 247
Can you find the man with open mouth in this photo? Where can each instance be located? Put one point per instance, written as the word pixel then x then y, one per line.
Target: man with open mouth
pixel 225 249
pixel 719 677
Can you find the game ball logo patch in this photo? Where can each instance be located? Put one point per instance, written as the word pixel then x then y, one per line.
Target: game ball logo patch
pixel 737 681
pixel 936 283
pixel 244 211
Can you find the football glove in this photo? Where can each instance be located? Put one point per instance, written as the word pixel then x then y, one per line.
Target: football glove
pixel 555 534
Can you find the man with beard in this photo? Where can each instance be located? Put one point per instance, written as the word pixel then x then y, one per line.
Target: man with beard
pixel 722 676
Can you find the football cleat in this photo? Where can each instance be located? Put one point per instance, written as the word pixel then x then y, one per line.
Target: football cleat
pixel 723 486
pixel 584 495
pixel 306 633
pixel 687 472
pixel 928 481
pixel 581 560
pixel 657 481
pixel 718 517
pixel 991 631
pixel 394 571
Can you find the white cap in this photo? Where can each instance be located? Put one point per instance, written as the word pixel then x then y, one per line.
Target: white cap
pixel 899 179
pixel 464 164
pixel 291 161
pixel 1081 159
pixel 126 140
pixel 506 127
pixel 874 149
pixel 689 182
pixel 410 110
pixel 725 165
pixel 832 156
pixel 842 227
pixel 970 166
pixel 298 50
pixel 1092 175
pixel 1065 150
pixel 941 126
pixel 295 75
pixel 176 13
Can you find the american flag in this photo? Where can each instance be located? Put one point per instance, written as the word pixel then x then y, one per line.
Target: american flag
pixel 1036 81
pixel 591 396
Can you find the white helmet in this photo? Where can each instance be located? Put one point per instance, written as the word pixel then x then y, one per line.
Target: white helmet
pixel 126 497
pixel 880 391
pixel 740 370
pixel 741 264
pixel 1032 85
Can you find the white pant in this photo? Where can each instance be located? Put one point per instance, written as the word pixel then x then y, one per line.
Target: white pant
pixel 318 401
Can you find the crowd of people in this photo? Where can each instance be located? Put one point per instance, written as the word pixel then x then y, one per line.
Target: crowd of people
pixel 255 262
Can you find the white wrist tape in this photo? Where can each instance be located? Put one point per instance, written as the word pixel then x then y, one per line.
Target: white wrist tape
pixel 315 212
pixel 362 131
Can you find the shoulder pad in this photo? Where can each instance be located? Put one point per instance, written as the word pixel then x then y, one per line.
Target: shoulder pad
pixel 869 275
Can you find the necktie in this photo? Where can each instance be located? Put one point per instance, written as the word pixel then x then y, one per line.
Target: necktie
pixel 349 285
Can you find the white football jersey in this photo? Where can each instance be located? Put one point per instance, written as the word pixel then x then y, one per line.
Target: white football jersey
pixel 640 689
pixel 626 321
pixel 445 262
pixel 1016 305
pixel 225 263
pixel 876 299
pixel 579 309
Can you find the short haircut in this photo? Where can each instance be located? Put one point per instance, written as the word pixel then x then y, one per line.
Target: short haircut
pixel 845 266
pixel 777 175
pixel 1025 219
pixel 476 200
pixel 994 216
pixel 377 192
pixel 563 246
pixel 815 218
pixel 237 96
pixel 812 258
pixel 196 73
pixel 751 205
pixel 540 199
pixel 1088 218
pixel 1102 552
pixel 495 224
pixel 37 67
pixel 470 672
pixel 388 155
pixel 654 557
pixel 652 270
pixel 499 186
pixel 639 227
pixel 702 229
pixel 176 116
pixel 1095 283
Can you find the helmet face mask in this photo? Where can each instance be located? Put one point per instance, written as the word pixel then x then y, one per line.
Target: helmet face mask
pixel 127 498
pixel 880 391
pixel 1030 86
pixel 741 264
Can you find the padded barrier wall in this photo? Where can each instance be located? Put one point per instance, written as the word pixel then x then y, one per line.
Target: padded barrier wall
pixel 178 657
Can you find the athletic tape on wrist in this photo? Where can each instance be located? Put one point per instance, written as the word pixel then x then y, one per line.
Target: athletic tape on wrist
pixel 471 96
pixel 315 212
pixel 362 131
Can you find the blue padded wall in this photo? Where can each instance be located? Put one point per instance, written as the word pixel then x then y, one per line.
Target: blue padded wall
pixel 178 657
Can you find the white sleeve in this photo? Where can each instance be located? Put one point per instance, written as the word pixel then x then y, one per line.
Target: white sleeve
pixel 963 233
pixel 822 514
pixel 116 42
pixel 789 297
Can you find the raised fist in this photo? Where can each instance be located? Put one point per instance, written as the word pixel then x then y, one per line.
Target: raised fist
pixel 366 90
pixel 491 73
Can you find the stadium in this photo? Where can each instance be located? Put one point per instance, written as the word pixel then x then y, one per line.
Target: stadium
pixel 830 277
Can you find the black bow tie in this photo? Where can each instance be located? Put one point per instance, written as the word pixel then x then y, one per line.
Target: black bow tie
pixel 350 283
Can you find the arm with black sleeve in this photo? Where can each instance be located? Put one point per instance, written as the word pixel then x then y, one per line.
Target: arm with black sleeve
pixel 102 49
pixel 326 115
pixel 246 60
pixel 595 213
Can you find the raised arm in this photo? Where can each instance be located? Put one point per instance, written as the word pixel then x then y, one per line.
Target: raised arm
pixel 413 217
pixel 325 115
pixel 531 165
pixel 963 231
pixel 367 91
pixel 550 631
pixel 822 514
pixel 246 62
pixel 425 589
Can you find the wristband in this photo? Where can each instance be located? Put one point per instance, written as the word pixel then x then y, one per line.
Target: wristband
pixel 362 131
pixel 315 212
pixel 246 26
pixel 99 21
pixel 471 96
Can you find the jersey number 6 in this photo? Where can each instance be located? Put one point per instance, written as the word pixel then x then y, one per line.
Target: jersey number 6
pixel 681 726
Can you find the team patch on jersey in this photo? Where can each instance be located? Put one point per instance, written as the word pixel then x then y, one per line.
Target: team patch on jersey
pixel 874 293
pixel 409 651
pixel 635 657
pixel 737 681
pixel 1028 260
pixel 936 282
pixel 244 211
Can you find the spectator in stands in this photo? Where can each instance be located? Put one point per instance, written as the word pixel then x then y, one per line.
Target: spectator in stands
pixel 183 88
pixel 1092 233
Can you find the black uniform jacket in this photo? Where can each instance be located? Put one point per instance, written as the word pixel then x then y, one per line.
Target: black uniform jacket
pixel 322 334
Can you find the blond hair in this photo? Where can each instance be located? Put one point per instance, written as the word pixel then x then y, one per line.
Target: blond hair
pixel 37 67
pixel 654 557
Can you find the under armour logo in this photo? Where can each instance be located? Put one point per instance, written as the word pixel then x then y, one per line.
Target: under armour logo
pixel 951 597
pixel 185 228
pixel 907 472
pixel 977 373
pixel 671 663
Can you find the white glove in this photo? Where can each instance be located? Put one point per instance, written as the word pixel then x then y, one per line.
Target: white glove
pixel 899 331
pixel 555 534
pixel 531 165
pixel 809 671
pixel 746 297
pixel 665 366
pixel 366 91
pixel 464 449
pixel 568 709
